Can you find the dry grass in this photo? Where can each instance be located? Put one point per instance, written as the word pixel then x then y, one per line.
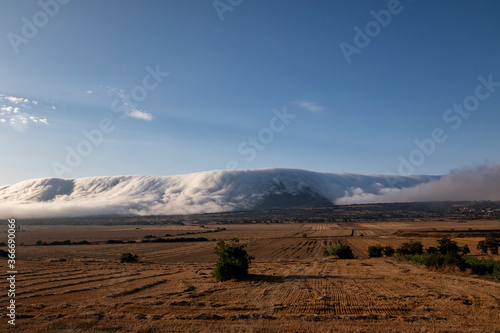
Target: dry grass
pixel 291 287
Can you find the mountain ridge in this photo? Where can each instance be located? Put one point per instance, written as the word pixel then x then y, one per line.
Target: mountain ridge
pixel 201 192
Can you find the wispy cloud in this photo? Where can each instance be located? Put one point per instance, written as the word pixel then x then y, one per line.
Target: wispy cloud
pixel 130 109
pixel 15 100
pixel 309 106
pixel 18 112
pixel 138 114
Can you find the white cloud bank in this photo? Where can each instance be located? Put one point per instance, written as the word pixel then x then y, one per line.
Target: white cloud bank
pixel 229 190
pixel 211 191
pixel 481 183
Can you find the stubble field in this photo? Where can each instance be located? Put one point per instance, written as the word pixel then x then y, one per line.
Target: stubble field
pixel 292 288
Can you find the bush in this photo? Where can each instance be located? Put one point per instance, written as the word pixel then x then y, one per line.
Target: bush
pixel 388 251
pixel 410 248
pixel 128 257
pixel 343 251
pixel 233 261
pixel 175 240
pixel 4 254
pixel 451 258
pixel 65 242
pixel 83 242
pixel 484 266
pixel 454 259
pixel 438 260
pixel 114 241
pixel 375 251
pixel 431 260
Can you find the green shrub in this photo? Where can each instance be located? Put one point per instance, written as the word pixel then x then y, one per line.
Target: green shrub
pixel 233 261
pixel 375 251
pixel 484 266
pixel 454 259
pixel 434 260
pixel 128 257
pixel 343 251
pixel 451 258
pixel 437 260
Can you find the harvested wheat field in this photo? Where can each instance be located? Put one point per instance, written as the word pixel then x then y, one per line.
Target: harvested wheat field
pixel 291 288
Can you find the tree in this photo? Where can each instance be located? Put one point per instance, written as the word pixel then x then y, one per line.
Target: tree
pixel 465 250
pixel 431 250
pixel 128 257
pixel 446 245
pixel 233 261
pixel 490 243
pixel 481 245
pixel 375 251
pixel 415 247
pixel 493 242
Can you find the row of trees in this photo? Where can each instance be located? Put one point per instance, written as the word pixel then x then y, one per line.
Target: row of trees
pixel 447 253
pixel 444 245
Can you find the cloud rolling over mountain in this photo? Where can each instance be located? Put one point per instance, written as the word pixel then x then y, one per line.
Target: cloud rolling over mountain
pixel 229 190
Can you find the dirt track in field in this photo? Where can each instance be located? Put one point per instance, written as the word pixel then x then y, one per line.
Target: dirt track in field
pixel 292 288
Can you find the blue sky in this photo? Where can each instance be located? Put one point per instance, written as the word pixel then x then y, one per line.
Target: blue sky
pixel 225 78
